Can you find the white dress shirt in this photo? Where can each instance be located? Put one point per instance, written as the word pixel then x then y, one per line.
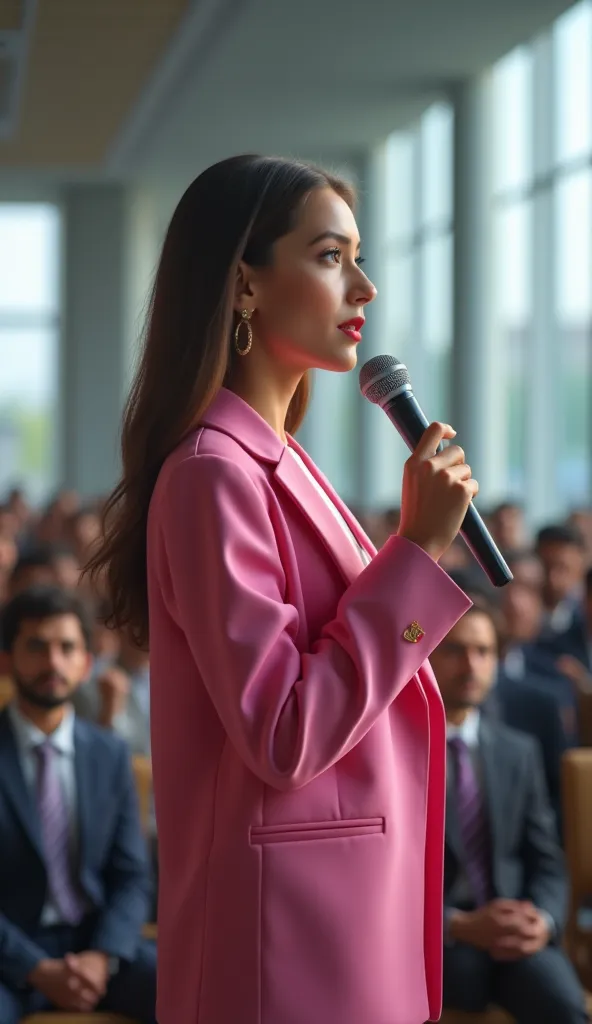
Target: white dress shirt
pixel 330 505
pixel 27 737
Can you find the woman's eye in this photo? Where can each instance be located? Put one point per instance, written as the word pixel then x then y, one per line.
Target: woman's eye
pixel 335 254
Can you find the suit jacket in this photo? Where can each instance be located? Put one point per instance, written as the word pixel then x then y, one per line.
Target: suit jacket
pixel 298 744
pixel 524 706
pixel 112 870
pixel 573 641
pixel 526 858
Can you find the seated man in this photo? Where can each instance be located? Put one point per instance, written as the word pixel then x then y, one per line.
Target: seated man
pixel 505 887
pixel 73 866
pixel 572 650
pixel 562 552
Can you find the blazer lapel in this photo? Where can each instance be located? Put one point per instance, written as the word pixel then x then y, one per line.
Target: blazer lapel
pixel 493 780
pixel 15 786
pixel 231 415
pixel 319 516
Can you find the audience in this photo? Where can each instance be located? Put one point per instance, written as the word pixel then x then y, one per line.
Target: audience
pixel 505 886
pixel 74 883
pixel 512 674
pixel 118 696
pixel 572 649
pixel 562 552
pixel 525 658
pixel 508 527
pixel 527 703
pixel 527 568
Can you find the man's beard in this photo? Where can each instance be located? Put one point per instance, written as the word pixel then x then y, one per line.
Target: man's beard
pixel 48 701
pixel 466 703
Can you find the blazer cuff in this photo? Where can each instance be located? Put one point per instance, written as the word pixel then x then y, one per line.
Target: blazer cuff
pixel 117 943
pixel 17 974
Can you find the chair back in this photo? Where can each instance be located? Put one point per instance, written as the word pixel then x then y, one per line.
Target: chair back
pixel 577 832
pixel 6 691
pixel 585 719
pixel 142 767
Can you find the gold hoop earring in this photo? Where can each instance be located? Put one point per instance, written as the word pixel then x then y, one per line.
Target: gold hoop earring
pixel 245 321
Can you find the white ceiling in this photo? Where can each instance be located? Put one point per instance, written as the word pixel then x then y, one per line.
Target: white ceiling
pixel 311 76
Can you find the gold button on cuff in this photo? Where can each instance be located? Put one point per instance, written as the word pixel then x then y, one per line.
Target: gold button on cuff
pixel 413 633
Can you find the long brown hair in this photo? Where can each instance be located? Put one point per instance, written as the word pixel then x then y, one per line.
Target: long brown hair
pixel 234 211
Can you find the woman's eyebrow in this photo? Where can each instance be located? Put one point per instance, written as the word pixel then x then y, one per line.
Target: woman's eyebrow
pixel 333 234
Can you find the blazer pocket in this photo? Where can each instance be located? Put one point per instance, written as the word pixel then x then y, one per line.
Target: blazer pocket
pixel 348 828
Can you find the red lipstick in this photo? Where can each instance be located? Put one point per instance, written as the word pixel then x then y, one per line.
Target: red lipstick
pixel 353 327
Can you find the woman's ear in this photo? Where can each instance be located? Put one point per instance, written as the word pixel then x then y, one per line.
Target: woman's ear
pixel 244 297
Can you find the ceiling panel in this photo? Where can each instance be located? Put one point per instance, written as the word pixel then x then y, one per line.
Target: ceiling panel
pixel 11 15
pixel 88 63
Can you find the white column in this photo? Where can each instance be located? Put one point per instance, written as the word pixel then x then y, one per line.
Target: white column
pixel 106 256
pixel 478 403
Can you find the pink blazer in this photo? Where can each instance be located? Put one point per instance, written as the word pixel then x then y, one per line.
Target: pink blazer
pixel 298 745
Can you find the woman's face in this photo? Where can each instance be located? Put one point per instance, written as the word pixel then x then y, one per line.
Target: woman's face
pixel 309 304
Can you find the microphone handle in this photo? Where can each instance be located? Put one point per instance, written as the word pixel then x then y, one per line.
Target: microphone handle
pixel 406 415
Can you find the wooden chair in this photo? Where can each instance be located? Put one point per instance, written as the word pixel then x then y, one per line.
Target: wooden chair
pixel 77 1018
pixel 6 690
pixel 142 767
pixel 577 818
pixel 585 718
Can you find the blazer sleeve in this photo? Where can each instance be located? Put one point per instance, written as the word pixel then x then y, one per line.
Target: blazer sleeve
pixel 290 715
pixel 19 954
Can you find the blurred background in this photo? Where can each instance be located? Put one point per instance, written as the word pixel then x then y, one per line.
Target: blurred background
pixel 467 128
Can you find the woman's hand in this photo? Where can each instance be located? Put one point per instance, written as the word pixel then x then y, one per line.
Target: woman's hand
pixel 437 491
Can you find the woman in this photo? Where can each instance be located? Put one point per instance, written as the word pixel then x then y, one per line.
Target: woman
pixel 298 736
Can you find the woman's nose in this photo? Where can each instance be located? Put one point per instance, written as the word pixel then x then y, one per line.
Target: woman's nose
pixel 363 291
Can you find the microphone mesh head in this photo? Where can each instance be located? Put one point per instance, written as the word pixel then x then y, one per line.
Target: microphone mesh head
pixel 382 375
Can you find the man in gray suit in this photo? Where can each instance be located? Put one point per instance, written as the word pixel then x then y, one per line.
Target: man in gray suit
pixel 505 886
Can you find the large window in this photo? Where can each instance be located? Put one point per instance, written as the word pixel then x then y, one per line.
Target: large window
pixel 573 315
pixel 29 303
pixel 542 258
pixel 419 253
pixel 572 201
pixel 512 252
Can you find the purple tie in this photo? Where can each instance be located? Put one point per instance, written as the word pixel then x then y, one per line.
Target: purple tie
pixel 55 831
pixel 471 818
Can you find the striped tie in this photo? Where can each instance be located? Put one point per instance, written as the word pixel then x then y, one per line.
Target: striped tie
pixel 471 818
pixel 55 831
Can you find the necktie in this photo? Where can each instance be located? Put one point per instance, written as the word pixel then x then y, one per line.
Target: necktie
pixel 471 818
pixel 55 831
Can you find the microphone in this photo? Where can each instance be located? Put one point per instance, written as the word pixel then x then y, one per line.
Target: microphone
pixel 385 381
